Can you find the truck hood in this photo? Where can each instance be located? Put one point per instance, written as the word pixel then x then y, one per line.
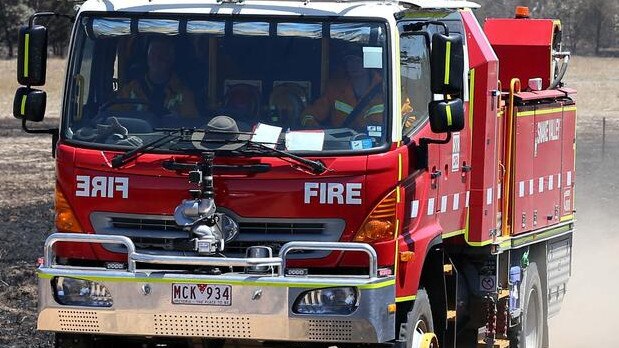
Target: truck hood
pixel 348 190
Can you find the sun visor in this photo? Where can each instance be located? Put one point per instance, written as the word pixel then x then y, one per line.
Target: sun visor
pixel 206 27
pixel 108 27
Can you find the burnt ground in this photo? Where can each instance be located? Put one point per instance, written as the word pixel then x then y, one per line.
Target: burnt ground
pixel 26 202
pixel 26 218
pixel 589 310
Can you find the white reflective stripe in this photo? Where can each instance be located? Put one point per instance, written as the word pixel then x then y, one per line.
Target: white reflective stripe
pixel 550 182
pixel 521 191
pixel 430 206
pixel 443 204
pixel 343 107
pixel 559 180
pixel 540 187
pixel 466 199
pixel 530 187
pixel 569 179
pixel 414 209
pixel 489 196
pixel 456 201
pixel 376 109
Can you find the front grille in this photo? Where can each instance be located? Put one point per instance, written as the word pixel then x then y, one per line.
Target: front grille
pixel 266 228
pixel 161 234
pixel 145 224
pixel 282 228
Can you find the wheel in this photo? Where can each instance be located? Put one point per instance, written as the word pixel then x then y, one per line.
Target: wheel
pixel 530 332
pixel 418 331
pixel 213 343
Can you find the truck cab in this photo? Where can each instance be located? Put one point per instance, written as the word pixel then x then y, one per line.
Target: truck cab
pixel 279 171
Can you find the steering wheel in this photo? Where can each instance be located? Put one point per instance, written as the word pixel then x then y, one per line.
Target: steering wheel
pixel 124 101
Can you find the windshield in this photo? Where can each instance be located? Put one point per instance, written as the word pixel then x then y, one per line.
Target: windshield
pixel 305 86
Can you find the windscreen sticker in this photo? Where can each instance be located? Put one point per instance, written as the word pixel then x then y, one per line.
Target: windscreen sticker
pixel 373 57
pixel 361 144
pixel 375 131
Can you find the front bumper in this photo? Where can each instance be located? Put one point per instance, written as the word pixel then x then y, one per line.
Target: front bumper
pixel 261 306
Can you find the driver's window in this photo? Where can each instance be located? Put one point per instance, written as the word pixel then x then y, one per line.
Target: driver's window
pixel 81 82
pixel 415 80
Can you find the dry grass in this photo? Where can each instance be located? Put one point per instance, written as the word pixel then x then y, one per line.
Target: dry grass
pixel 53 87
pixel 596 80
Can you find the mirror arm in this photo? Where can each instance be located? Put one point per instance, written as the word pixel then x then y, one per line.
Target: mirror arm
pixel 426 141
pixel 48 14
pixel 421 150
pixel 53 131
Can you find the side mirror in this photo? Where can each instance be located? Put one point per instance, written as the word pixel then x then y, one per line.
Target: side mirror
pixel 32 55
pixel 447 116
pixel 29 104
pixel 447 64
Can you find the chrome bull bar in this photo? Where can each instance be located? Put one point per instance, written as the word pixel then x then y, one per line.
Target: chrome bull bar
pixel 133 256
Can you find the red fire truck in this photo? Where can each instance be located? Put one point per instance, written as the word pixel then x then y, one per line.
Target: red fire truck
pixel 314 172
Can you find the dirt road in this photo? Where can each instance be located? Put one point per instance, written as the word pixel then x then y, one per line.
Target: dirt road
pixel 587 318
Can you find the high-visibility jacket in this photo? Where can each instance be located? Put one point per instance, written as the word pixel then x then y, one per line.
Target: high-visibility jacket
pixel 174 98
pixel 339 100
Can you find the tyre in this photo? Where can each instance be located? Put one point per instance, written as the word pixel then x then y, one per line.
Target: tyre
pixel 418 322
pixel 530 332
pixel 213 343
pixel 66 340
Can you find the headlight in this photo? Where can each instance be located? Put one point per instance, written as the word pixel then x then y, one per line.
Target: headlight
pixel 341 301
pixel 81 292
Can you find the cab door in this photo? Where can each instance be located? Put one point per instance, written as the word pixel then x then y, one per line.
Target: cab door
pixel 422 184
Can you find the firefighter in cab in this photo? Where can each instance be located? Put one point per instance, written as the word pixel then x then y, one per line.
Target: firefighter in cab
pixel 160 87
pixel 353 101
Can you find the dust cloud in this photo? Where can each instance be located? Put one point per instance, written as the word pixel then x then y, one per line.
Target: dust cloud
pixel 588 315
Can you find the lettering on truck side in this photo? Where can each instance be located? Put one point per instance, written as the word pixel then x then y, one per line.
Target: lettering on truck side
pixel 333 193
pixel 548 130
pixel 101 186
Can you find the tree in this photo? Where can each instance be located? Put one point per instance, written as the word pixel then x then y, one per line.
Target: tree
pixel 13 13
pixel 59 28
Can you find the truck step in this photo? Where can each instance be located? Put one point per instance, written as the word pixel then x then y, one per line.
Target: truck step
pixel 498 343
pixel 503 293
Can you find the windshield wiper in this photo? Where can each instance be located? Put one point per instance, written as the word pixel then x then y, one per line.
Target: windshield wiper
pixel 185 134
pixel 316 167
pixel 124 158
